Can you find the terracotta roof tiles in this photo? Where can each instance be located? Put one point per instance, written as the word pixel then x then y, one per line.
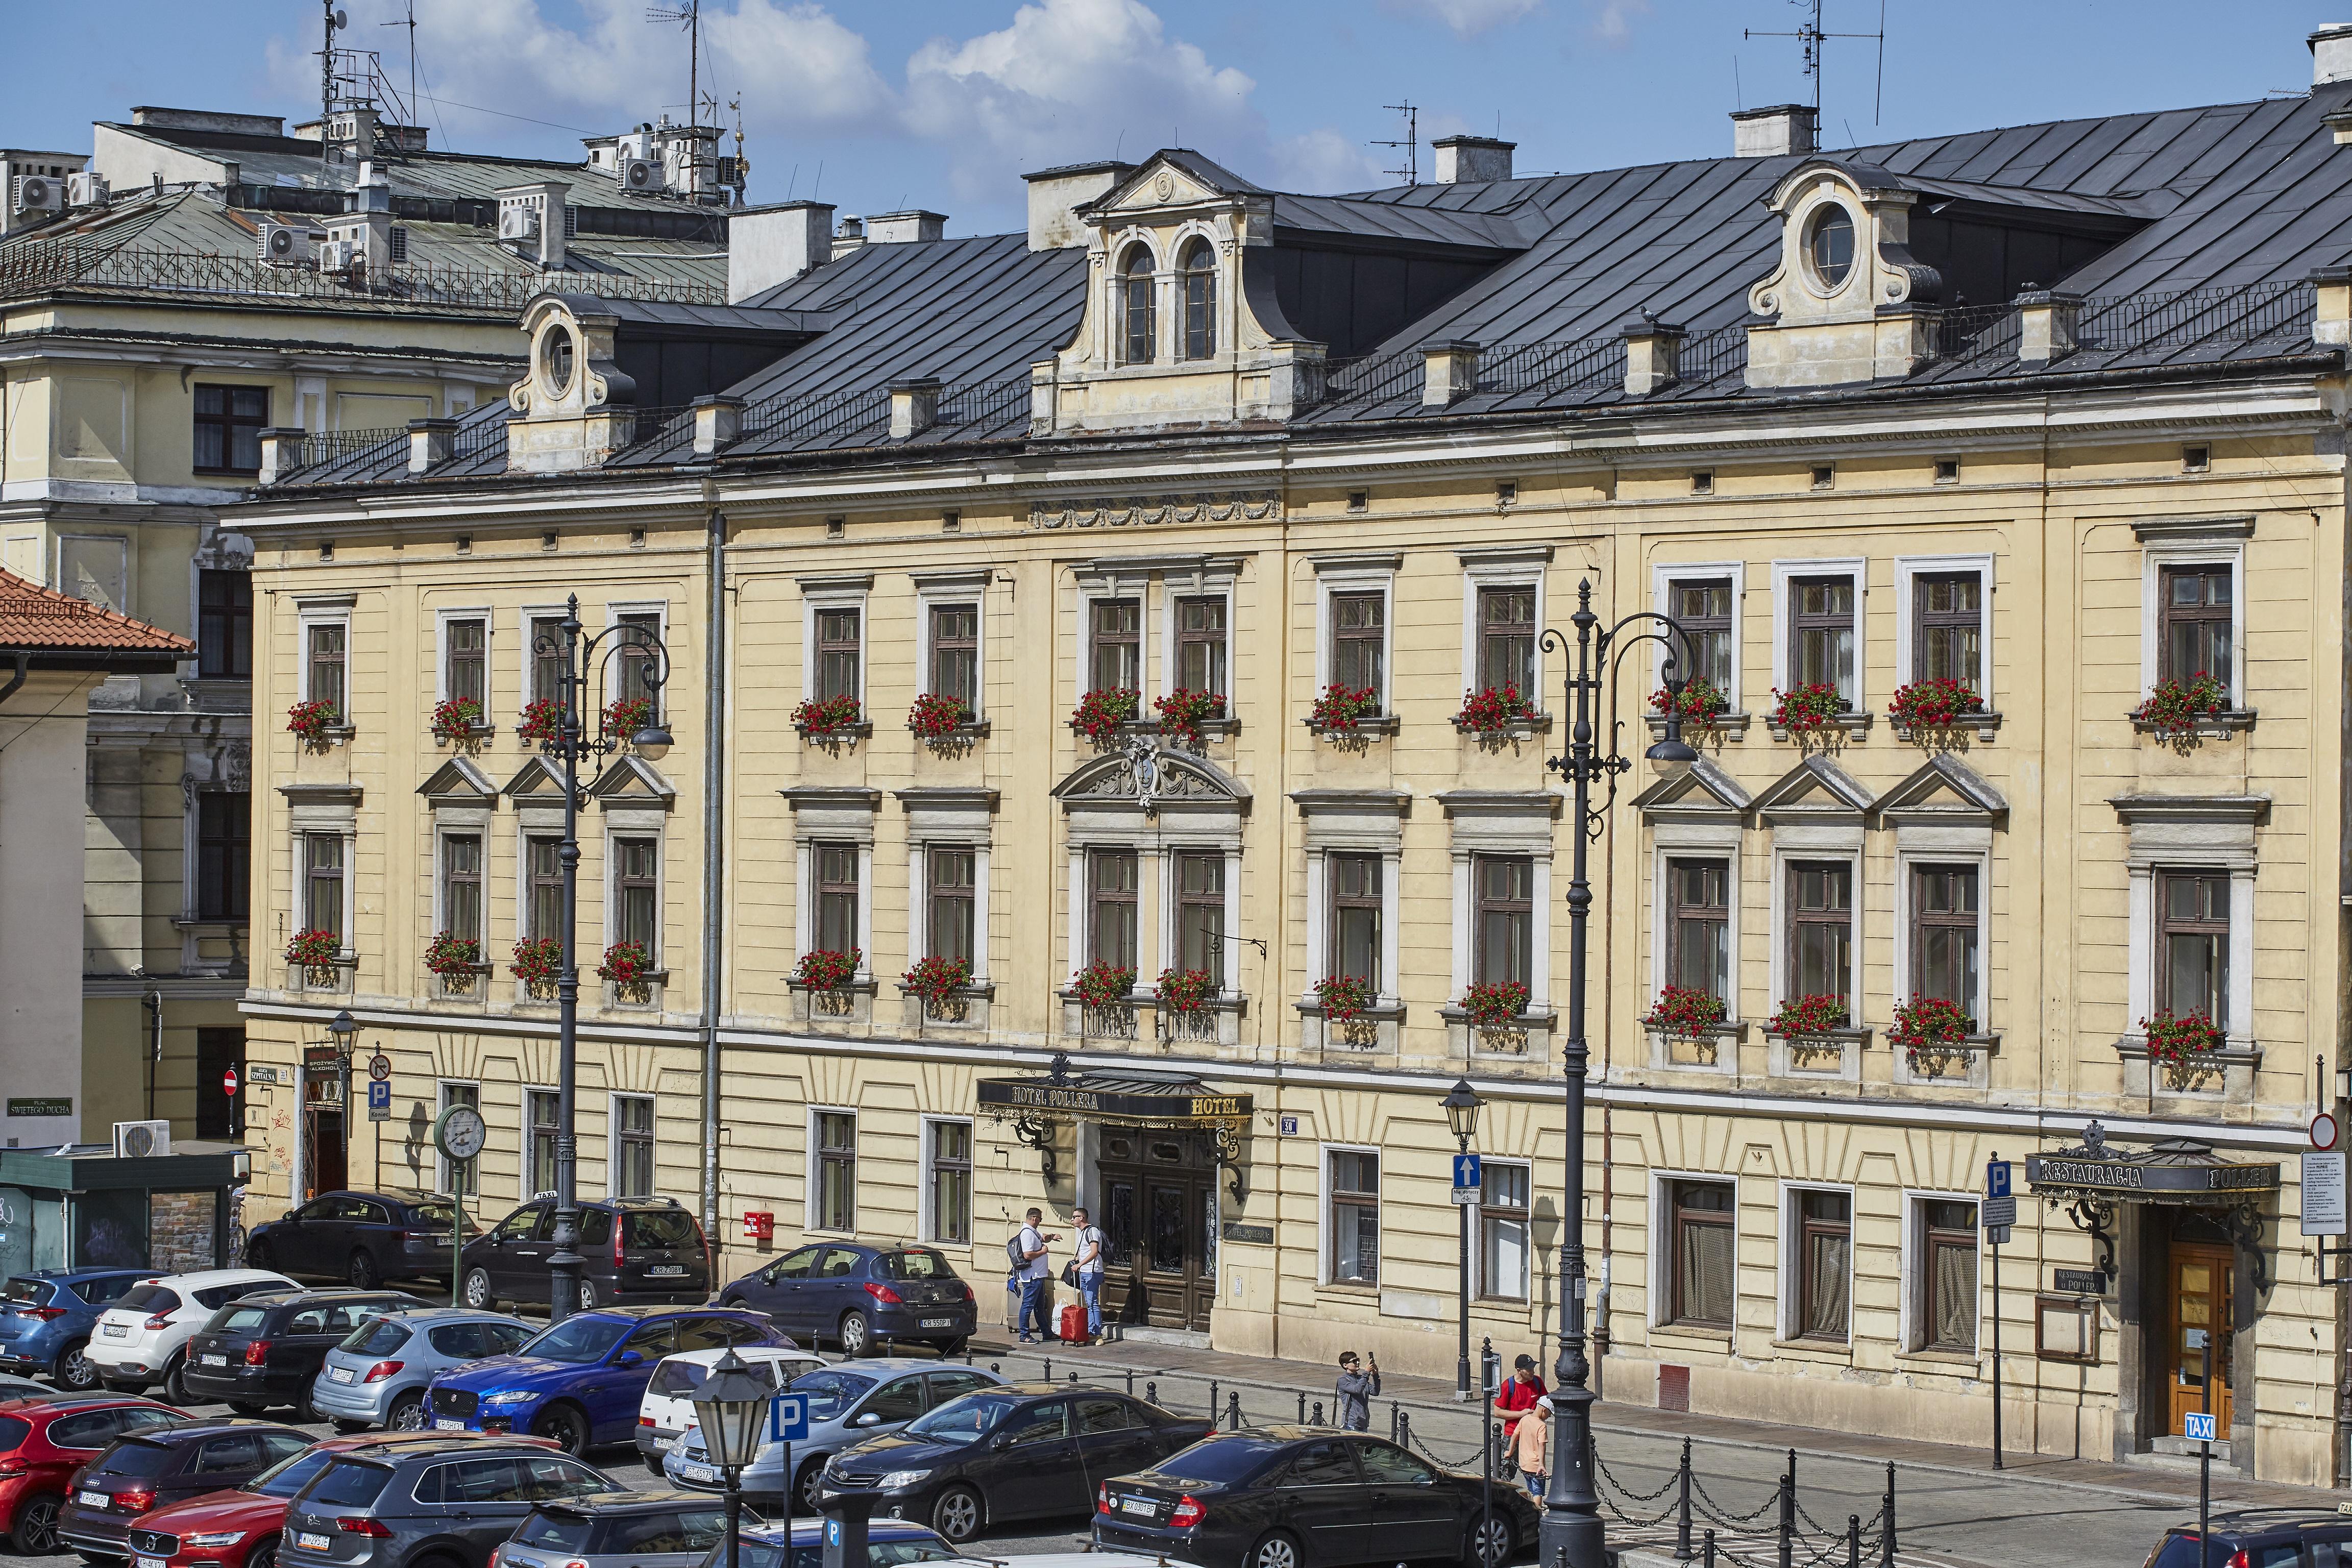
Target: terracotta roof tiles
pixel 46 621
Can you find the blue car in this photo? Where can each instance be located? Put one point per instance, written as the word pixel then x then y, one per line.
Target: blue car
pixel 581 1381
pixel 47 1316
pixel 858 1296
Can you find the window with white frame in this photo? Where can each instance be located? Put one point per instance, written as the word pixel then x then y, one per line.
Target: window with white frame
pixel 543 888
pixel 946 1182
pixel 832 649
pixel 1200 913
pixel 1947 934
pixel 951 913
pixel 461 887
pixel 1943 1275
pixel 1698 924
pixel 1818 1282
pixel 323 885
pixel 1822 635
pixel 540 1109
pixel 1203 651
pixel 2192 942
pixel 1944 621
pixel 1819 912
pixel 1115 644
pixel 1357 913
pixel 465 661
pixel 1352 1216
pixel 1112 889
pixel 1701 1254
pixel 546 658
pixel 1506 632
pixel 1502 920
pixel 632 1145
pixel 1353 647
pixel 636 668
pixel 955 653
pixel 455 1092
pixel 326 654
pixel 1705 607
pixel 637 893
pixel 2192 605
pixel 833 1171
pixel 1136 302
pixel 1197 277
pixel 836 898
pixel 1504 1216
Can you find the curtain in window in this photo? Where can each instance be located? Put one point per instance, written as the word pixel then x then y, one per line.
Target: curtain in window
pixel 1825 1271
pixel 1706 1273
pixel 1955 1298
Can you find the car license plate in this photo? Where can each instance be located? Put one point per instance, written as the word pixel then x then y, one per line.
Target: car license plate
pixel 939 1322
pixel 665 1443
pixel 92 1499
pixel 667 1270
pixel 339 1375
pixel 446 1424
pixel 150 1563
pixel 698 1472
pixel 1143 1506
pixel 309 1542
pixel 116 1330
pixel 212 1361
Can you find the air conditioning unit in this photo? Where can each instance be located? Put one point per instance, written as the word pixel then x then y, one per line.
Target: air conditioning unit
pixel 86 190
pixel 340 256
pixel 284 245
pixel 642 174
pixel 37 193
pixel 519 221
pixel 141 1139
pixel 637 144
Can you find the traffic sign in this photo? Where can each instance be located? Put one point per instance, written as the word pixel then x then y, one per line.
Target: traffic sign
pixel 379 1103
pixel 788 1419
pixel 2323 1131
pixel 2197 1426
pixel 1467 1178
pixel 229 1082
pixel 1998 1210
pixel 379 1066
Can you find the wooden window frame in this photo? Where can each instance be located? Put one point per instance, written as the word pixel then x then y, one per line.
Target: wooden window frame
pixel 947 650
pixel 630 1144
pixel 1201 913
pixel 1352 1200
pixel 318 660
pixel 224 624
pixel 1483 903
pixel 2168 927
pixel 832 893
pixel 541 1135
pixel 1343 902
pixel 1197 271
pixel 1107 903
pixel 1798 920
pixel 1806 1231
pixel 226 421
pixel 1934 1240
pixel 1139 311
pixel 452 877
pixel 2168 615
pixel 1216 646
pixel 840 655
pixel 938 1164
pixel 316 878
pixel 548 682
pixel 943 897
pixel 1121 643
pixel 646 882
pixel 1924 922
pixel 1510 642
pixel 829 1158
pixel 1827 623
pixel 223 841
pixel 1367 642
pixel 1703 627
pixel 1681 1220
pixel 538 880
pixel 638 655
pixel 1928 623
pixel 1490 1215
pixel 1678 913
pixel 465 672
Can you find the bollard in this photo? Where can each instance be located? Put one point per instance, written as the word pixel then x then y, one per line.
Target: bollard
pixel 967 1352
pixel 1789 1512
pixel 1682 1506
pixel 1404 1428
pixel 1886 1516
pixel 1318 1413
pixel 1074 1377
pixel 997 1367
pixel 1709 1557
pixel 1853 1540
pixel 1215 1404
pixel 1396 1412
pixel 1049 1369
pixel 1234 1411
pixel 1151 1391
pixel 1130 1383
pixel 1302 1407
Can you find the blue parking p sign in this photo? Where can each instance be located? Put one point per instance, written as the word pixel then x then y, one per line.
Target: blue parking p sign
pixel 2197 1427
pixel 788 1419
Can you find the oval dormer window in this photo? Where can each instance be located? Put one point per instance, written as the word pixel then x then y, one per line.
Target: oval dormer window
pixel 1832 246
pixel 556 353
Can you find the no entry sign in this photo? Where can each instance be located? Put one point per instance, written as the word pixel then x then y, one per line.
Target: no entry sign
pixel 229 1082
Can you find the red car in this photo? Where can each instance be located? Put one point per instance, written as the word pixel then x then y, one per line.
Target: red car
pixel 239 1529
pixel 44 1441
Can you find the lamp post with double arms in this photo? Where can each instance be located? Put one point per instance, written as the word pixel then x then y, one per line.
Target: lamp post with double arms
pixel 1462 1107
pixel 574 653
pixel 1571 1532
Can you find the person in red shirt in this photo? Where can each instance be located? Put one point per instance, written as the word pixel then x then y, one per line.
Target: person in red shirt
pixel 1519 1394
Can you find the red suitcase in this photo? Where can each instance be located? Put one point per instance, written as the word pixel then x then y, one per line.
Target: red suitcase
pixel 1074 1321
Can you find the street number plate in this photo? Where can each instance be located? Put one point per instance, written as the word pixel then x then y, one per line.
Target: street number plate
pixel 93 1500
pixel 667 1270
pixel 446 1424
pixel 309 1542
pixel 212 1361
pixel 1138 1505
pixel 116 1330
pixel 939 1322
pixel 339 1375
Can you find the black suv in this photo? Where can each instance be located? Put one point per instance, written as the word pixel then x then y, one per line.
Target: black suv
pixel 362 1237
pixel 267 1350
pixel 156 1470
pixel 2260 1537
pixel 634 1252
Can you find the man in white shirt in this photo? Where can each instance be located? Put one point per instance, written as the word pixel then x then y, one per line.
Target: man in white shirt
pixel 1088 1243
pixel 1035 1269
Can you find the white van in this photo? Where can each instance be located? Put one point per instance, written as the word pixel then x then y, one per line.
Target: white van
pixel 666 1413
pixel 142 1338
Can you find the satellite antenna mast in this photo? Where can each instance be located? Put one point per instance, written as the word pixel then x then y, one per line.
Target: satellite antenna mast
pixel 413 108
pixel 333 19
pixel 1810 34
pixel 690 12
pixel 1410 141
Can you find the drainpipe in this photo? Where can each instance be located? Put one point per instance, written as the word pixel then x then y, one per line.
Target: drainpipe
pixel 714 720
pixel 23 658
pixel 154 1002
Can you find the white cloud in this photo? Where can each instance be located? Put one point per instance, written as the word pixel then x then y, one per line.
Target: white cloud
pixel 1469 18
pixel 1324 160
pixel 1612 20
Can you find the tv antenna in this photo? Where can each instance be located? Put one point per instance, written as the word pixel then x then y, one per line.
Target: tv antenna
pixel 1410 141
pixel 333 19
pixel 1810 34
pixel 688 12
pixel 411 25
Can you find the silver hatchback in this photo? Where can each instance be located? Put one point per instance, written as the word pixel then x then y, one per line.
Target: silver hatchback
pixel 377 1377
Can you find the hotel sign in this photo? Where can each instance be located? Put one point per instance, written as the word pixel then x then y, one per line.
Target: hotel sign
pixel 2130 1176
pixel 1125 1102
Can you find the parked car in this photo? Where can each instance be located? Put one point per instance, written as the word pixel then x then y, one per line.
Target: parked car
pixel 239 1528
pixel 2258 1538
pixel 266 1349
pixel 667 1409
pixel 363 1238
pixel 581 1381
pixel 635 1250
pixel 47 1316
pixel 847 1401
pixel 377 1376
pixel 447 1502
pixel 889 1542
pixel 855 1295
pixel 1025 1450
pixel 1279 1497
pixel 44 1441
pixel 154 1469
pixel 616 1530
pixel 24 1388
pixel 143 1339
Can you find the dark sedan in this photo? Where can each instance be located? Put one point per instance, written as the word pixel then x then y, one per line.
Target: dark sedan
pixel 268 1350
pixel 1026 1450
pixel 363 1239
pixel 156 1470
pixel 857 1295
pixel 1308 1497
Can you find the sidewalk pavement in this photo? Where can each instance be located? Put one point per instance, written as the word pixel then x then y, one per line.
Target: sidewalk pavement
pixel 1952 1506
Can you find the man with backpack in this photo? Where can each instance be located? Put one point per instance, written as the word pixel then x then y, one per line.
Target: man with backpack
pixel 1087 1244
pixel 1026 1253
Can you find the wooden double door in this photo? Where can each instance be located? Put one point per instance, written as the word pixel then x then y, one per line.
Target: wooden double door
pixel 2200 1278
pixel 1159 1222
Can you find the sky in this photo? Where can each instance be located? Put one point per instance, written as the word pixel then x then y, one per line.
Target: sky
pixel 879 105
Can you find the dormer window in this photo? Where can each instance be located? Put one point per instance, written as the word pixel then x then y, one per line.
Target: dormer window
pixel 1139 322
pixel 1200 274
pixel 1832 246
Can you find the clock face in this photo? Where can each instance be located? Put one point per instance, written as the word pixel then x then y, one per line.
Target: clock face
pixel 460 1133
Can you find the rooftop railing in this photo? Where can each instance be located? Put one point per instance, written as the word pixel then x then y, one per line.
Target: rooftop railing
pixel 983 404
pixel 33 266
pixel 814 417
pixel 323 446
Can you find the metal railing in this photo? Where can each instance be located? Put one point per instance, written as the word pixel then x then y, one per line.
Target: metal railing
pixel 813 417
pixel 657 424
pixel 2137 321
pixel 983 404
pixel 322 446
pixel 33 265
pixel 1512 369
pixel 481 440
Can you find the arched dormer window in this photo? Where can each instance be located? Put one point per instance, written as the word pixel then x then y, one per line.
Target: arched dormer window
pixel 1200 274
pixel 1137 320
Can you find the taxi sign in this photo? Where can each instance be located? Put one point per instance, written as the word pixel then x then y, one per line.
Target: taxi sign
pixel 2197 1426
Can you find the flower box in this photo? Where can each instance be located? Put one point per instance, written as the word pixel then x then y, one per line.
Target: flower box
pixel 625 717
pixel 1808 1017
pixel 935 979
pixel 1340 710
pixel 1495 1002
pixel 1685 1012
pixel 1940 703
pixel 1807 710
pixel 315 948
pixel 450 955
pixel 625 964
pixel 1928 1023
pixel 1102 984
pixel 1490 712
pixel 538 960
pixel 1345 997
pixel 829 718
pixel 1183 992
pixel 311 722
pixel 2174 708
pixel 936 717
pixel 1100 712
pixel 541 720
pixel 825 969
pixel 456 718
pixel 2180 1040
pixel 1699 705
pixel 1183 712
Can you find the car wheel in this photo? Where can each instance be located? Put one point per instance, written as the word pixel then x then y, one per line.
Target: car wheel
pixel 262 1557
pixel 478 1291
pixel 588 1295
pixel 75 1372
pixel 856 1334
pixel 35 1534
pixel 176 1384
pixel 1495 1549
pixel 567 1426
pixel 256 1254
pixel 1275 1548
pixel 246 1408
pixel 304 1409
pixel 949 1347
pixel 958 1514
pixel 362 1273
pixel 804 1484
pixel 407 1412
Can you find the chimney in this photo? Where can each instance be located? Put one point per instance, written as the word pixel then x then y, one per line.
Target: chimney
pixel 905 227
pixel 1654 354
pixel 2331 54
pixel 1472 160
pixel 914 407
pixel 1781 131
pixel 848 236
pixel 718 422
pixel 367 217
pixel 431 443
pixel 532 216
pixel 771 245
pixel 2046 320
pixel 1449 372
pixel 1056 195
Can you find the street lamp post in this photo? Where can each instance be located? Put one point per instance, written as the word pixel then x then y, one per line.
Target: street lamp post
pixel 1462 1106
pixel 572 741
pixel 1571 1532
pixel 345 1034
pixel 729 1407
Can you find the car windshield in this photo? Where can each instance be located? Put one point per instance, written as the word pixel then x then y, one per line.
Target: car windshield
pixel 347 1484
pixel 913 1263
pixel 578 1339
pixel 134 1458
pixel 1219 1459
pixel 832 1393
pixel 967 1419
pixel 435 1217
pixel 231 1319
pixel 290 1475
pixel 31 1292
pixel 756 1554
pixel 660 1228
pixel 150 1298
pixel 380 1337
